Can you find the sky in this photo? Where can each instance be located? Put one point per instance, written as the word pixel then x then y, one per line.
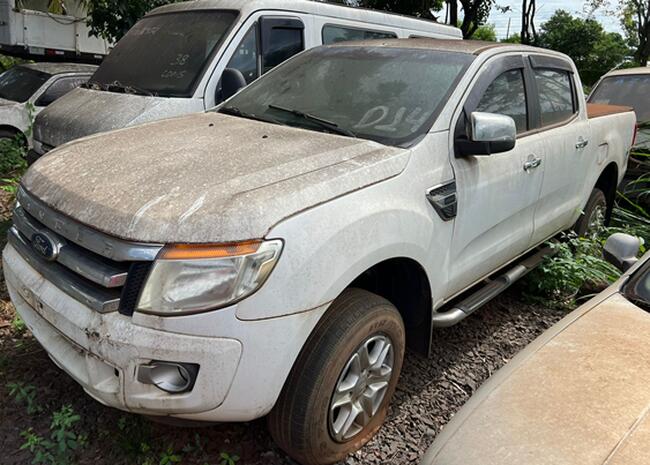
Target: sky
pixel 545 9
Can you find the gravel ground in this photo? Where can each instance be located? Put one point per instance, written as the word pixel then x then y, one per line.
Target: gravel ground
pixel 430 391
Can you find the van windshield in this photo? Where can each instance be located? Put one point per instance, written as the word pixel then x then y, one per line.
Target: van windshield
pixel 390 95
pixel 19 84
pixel 631 91
pixel 164 54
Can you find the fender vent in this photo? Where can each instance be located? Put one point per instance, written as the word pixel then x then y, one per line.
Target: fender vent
pixel 444 200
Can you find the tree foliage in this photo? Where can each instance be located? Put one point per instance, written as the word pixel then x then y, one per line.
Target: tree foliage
pixel 486 32
pixel 111 19
pixel 475 12
pixel 593 50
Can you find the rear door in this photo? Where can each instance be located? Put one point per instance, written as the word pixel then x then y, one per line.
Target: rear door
pixel 566 152
pixel 497 194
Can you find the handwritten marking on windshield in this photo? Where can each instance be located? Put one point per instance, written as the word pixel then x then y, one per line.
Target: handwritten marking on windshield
pixel 378 118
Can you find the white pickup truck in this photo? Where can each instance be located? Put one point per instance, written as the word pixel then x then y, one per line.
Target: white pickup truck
pixel 277 255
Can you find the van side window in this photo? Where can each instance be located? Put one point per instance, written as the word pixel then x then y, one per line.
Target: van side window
pixel 245 57
pixel 281 43
pixel 334 34
pixel 507 96
pixel 556 96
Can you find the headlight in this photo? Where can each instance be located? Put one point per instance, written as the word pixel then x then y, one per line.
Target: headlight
pixel 195 278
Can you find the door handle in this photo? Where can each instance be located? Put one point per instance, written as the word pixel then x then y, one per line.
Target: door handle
pixel 582 143
pixel 532 164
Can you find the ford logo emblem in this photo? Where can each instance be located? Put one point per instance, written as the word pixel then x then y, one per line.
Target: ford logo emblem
pixel 47 247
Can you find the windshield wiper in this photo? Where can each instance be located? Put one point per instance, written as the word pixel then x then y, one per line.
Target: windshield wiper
pixel 329 125
pixel 128 89
pixel 116 86
pixel 235 111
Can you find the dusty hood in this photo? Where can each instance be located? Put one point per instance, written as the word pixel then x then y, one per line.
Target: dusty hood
pixel 84 112
pixel 204 177
pixel 579 395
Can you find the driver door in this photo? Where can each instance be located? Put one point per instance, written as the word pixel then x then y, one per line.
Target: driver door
pixel 497 194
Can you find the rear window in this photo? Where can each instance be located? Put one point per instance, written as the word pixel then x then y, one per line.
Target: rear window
pixel 555 95
pixel 165 54
pixel 19 84
pixel 632 91
pixel 334 34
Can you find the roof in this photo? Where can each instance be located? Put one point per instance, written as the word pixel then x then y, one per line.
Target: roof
pixel 473 47
pixel 246 7
pixel 629 71
pixel 61 68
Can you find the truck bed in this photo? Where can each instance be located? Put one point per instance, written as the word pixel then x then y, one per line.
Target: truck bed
pixel 596 110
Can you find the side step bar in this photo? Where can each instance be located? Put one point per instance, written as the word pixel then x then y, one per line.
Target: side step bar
pixel 493 288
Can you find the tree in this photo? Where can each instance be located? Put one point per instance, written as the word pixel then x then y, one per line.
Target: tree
pixel 528 32
pixel 111 19
pixel 486 32
pixel 593 50
pixel 635 19
pixel 636 22
pixel 475 12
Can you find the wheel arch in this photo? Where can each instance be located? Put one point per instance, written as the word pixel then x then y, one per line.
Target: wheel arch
pixel 608 183
pixel 403 281
pixel 11 129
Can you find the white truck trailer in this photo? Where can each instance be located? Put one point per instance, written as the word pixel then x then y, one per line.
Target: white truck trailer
pixel 29 29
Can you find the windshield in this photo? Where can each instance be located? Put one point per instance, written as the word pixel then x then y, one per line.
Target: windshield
pixel 164 54
pixel 390 95
pixel 19 84
pixel 632 91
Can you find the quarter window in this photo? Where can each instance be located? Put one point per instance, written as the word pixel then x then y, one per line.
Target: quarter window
pixel 507 96
pixel 335 34
pixel 555 95
pixel 245 57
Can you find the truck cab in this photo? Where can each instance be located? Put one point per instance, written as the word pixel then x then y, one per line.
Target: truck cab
pixel 187 57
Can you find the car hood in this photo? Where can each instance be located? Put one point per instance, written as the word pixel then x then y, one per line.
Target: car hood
pixel 83 112
pixel 204 177
pixel 577 396
pixel 8 103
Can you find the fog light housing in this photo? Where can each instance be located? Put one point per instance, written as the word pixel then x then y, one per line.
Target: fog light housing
pixel 171 377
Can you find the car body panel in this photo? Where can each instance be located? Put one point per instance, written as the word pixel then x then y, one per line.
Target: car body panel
pixel 577 395
pixel 168 181
pixel 84 112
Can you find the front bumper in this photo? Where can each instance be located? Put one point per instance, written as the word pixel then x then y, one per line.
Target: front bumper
pixel 243 364
pixel 102 351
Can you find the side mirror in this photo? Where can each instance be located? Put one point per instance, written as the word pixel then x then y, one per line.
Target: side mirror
pixel 490 133
pixel 232 81
pixel 621 250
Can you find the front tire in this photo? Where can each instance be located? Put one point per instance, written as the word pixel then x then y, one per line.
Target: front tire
pixel 337 394
pixel 594 217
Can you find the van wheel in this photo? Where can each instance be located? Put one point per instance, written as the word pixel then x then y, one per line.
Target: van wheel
pixel 337 394
pixel 594 217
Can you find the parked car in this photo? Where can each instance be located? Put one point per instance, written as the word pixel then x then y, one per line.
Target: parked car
pixel 188 57
pixel 25 90
pixel 628 87
pixel 276 256
pixel 578 395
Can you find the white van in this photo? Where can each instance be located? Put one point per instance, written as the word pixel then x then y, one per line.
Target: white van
pixel 187 57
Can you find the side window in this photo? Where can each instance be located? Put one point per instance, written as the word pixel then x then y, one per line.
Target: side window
pixel 245 57
pixel 555 95
pixel 59 88
pixel 507 96
pixel 281 39
pixel 335 34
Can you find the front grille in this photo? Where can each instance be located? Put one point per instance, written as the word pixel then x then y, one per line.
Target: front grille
pixel 102 272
